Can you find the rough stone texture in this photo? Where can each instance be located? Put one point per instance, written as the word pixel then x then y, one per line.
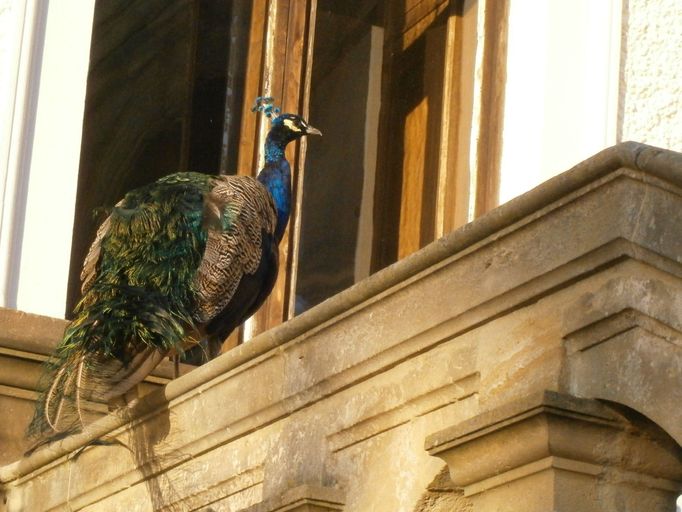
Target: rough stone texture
pixel 304 498
pixel 539 294
pixel 651 77
pixel 442 496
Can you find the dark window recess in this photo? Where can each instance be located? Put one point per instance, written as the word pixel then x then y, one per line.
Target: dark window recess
pixel 370 186
pixel 157 101
pixel 209 78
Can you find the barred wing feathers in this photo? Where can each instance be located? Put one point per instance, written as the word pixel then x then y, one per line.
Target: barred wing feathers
pixel 240 216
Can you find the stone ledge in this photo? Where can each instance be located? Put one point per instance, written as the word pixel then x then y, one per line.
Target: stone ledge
pixel 304 498
pixel 605 329
pixel 518 411
pixel 345 394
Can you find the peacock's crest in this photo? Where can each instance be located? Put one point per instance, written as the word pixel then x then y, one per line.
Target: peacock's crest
pixel 266 105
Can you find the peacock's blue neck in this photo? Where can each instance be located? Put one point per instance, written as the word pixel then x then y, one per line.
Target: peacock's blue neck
pixel 274 152
pixel 276 177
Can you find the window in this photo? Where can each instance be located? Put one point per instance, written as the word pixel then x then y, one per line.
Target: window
pixel 392 84
pixel 381 76
pixel 335 245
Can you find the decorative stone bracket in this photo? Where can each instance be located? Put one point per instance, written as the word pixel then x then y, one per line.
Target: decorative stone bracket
pixel 553 452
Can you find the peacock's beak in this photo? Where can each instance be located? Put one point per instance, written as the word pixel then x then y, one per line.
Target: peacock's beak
pixel 311 130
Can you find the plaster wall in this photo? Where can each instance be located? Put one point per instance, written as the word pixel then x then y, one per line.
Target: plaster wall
pixel 11 14
pixel 54 159
pixel 45 54
pixel 561 91
pixel 583 75
pixel 651 75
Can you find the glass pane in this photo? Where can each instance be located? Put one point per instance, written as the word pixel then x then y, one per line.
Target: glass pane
pixel 370 186
pixel 410 140
pixel 336 224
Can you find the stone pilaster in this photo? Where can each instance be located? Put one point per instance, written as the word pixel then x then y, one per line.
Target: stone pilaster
pixel 304 498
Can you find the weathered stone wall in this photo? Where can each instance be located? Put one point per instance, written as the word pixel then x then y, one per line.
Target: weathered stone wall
pixel 534 356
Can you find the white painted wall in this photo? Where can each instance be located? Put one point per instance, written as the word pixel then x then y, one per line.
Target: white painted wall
pixel 584 75
pixel 22 24
pixel 651 79
pixel 45 124
pixel 11 24
pixel 561 97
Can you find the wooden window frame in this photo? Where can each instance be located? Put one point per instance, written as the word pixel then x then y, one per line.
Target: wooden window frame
pixel 279 64
pixel 276 60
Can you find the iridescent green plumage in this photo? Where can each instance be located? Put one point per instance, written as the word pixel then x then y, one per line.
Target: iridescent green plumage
pixel 155 243
pixel 138 301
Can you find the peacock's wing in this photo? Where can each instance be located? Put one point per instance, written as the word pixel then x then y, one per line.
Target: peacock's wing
pixel 240 260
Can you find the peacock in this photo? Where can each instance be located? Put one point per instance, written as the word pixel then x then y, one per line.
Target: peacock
pixel 178 263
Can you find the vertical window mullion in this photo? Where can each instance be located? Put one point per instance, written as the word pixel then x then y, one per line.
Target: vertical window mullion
pixel 286 34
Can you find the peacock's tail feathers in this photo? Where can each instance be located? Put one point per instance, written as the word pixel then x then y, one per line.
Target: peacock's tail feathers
pixel 73 386
pixel 93 364
pixel 110 313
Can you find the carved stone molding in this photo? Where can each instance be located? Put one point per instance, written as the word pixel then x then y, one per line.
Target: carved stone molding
pixel 632 358
pixel 304 498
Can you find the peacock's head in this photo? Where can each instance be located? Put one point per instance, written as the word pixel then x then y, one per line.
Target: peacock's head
pixel 285 127
pixel 292 127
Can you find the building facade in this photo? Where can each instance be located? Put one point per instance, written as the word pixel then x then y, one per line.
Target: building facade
pixel 119 95
pixel 419 340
